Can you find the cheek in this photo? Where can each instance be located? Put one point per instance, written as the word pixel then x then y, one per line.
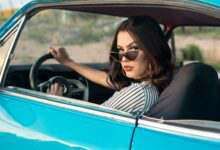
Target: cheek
pixel 141 67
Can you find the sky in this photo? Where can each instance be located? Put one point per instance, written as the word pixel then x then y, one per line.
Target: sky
pixel 5 4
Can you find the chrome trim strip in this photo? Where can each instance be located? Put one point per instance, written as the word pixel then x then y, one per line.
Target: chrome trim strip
pixel 5 63
pixel 11 29
pixel 71 107
pixel 182 131
pixel 2 39
pixel 172 4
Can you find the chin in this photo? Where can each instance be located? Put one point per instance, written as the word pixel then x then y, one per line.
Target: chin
pixel 131 76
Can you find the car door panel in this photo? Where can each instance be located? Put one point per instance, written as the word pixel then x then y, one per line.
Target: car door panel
pixel 151 135
pixel 28 123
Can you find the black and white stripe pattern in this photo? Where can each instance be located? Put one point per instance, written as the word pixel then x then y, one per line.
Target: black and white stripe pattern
pixel 137 97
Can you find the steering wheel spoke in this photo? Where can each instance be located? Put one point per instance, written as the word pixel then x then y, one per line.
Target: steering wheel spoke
pixel 43 86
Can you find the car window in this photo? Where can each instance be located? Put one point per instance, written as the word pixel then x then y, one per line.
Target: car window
pixel 4 48
pixel 87 37
pixel 7 44
pixel 198 44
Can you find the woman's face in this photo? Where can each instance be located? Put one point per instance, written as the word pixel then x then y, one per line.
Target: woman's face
pixel 135 69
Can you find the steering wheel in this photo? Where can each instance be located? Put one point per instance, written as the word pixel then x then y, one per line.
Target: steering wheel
pixel 72 87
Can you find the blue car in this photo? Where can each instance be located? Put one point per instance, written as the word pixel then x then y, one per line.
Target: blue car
pixel 187 115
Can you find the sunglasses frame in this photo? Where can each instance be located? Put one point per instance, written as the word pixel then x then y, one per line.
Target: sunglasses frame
pixel 120 56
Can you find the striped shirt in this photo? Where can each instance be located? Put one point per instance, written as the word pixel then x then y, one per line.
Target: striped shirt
pixel 138 97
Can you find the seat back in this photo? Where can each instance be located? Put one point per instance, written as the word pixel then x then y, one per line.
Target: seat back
pixel 192 94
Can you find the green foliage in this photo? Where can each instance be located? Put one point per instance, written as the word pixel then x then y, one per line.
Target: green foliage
pixel 216 66
pixel 213 32
pixel 2 19
pixel 192 52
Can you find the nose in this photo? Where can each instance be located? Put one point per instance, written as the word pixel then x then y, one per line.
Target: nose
pixel 124 59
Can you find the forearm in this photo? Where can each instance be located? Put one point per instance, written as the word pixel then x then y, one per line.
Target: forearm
pixel 97 76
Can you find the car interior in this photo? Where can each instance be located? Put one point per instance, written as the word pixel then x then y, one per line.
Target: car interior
pixel 18 76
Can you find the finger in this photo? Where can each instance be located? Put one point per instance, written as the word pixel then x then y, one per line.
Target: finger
pixel 62 49
pixel 60 91
pixel 53 89
pixel 53 51
pixel 56 86
pixel 59 87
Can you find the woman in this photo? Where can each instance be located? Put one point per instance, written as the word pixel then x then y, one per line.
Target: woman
pixel 140 66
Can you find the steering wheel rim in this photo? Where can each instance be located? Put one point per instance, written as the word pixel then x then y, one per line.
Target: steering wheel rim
pixel 34 70
pixel 33 75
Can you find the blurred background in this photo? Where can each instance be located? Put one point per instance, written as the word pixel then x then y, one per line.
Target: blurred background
pixel 8 7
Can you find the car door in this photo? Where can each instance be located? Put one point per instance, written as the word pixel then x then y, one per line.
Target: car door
pixel 156 134
pixel 32 121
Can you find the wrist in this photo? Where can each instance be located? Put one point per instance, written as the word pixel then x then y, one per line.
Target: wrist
pixel 68 62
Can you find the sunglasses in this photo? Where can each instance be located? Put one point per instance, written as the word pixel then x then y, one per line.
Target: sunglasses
pixel 130 55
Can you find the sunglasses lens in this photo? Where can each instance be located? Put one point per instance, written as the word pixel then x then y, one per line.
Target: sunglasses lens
pixel 132 55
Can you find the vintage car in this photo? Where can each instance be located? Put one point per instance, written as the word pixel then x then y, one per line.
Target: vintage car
pixel 186 117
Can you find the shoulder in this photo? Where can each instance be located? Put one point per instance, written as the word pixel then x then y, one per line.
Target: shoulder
pixel 145 89
pixel 142 87
pixel 134 87
pixel 149 90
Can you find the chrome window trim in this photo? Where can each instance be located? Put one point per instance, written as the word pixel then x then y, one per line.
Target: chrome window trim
pixel 131 121
pixel 2 39
pixel 181 5
pixel 11 48
pixel 5 37
pixel 158 125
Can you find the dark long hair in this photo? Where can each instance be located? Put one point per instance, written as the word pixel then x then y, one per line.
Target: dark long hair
pixel 150 38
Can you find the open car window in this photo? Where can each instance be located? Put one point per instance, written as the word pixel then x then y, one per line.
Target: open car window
pixel 197 44
pixel 8 42
pixel 87 38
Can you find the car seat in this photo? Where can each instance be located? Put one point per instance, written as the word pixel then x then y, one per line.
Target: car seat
pixel 192 94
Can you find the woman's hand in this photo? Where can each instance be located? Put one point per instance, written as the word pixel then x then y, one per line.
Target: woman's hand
pixel 60 55
pixel 56 89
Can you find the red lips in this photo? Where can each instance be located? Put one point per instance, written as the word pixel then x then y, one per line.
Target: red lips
pixel 128 68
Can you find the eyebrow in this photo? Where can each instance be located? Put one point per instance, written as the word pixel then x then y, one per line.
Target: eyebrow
pixel 129 45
